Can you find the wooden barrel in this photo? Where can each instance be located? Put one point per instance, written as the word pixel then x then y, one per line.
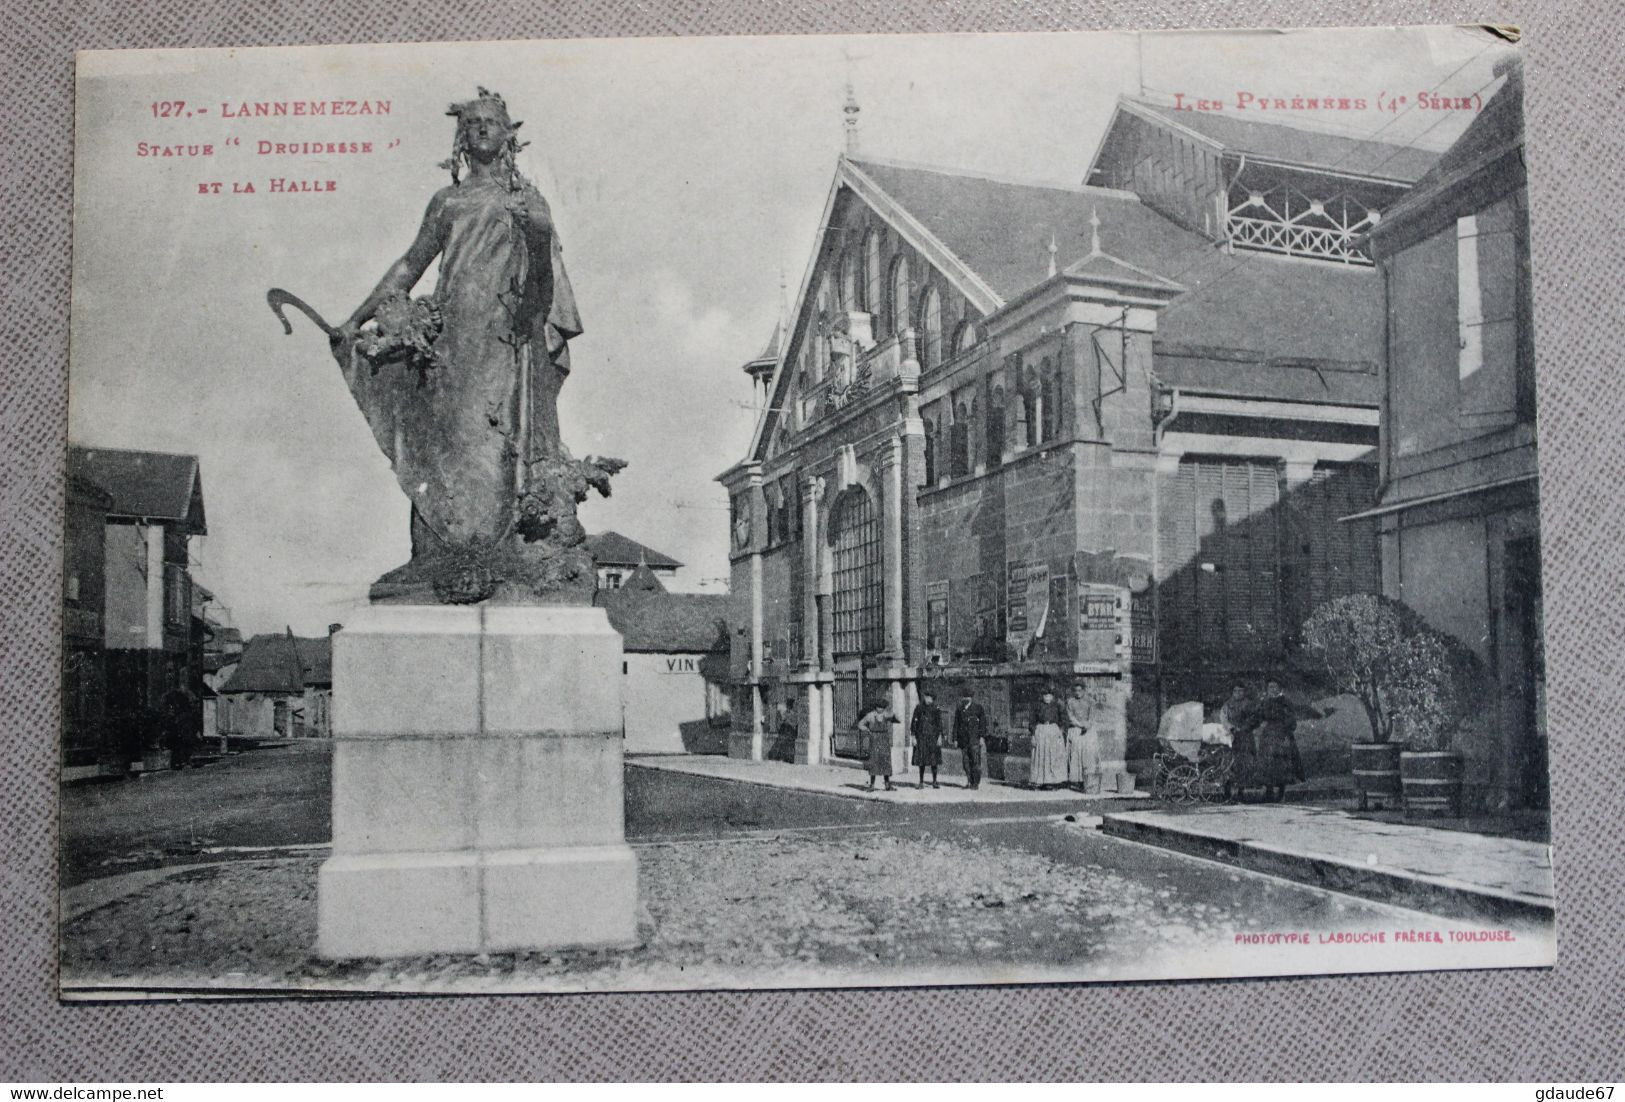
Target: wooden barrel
pixel 1376 771
pixel 1431 780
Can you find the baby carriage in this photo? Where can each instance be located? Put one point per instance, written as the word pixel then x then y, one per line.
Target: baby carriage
pixel 1194 762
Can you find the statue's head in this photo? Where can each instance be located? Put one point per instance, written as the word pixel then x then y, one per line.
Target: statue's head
pixel 485 133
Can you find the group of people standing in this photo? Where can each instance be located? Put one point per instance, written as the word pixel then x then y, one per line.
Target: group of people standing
pixel 1066 741
pixel 1066 744
pixel 928 731
pixel 1263 738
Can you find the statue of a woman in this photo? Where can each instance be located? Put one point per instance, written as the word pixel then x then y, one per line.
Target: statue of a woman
pixel 461 389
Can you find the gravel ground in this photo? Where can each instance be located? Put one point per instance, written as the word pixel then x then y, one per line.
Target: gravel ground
pixel 784 911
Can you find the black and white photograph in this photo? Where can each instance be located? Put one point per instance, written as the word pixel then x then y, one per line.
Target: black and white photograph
pixel 799 512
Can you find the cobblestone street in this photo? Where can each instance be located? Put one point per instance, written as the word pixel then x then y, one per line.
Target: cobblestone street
pixel 787 888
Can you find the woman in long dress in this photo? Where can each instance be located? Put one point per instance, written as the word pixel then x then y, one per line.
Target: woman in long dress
pixel 1082 740
pixel 461 430
pixel 1236 716
pixel 876 728
pixel 1049 744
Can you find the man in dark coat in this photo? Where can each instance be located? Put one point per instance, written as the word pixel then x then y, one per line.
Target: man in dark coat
pixel 926 729
pixel 970 729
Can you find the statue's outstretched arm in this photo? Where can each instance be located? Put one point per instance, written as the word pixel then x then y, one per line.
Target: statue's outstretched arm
pixel 404 274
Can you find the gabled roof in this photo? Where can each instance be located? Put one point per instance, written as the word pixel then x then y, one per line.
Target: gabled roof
pixel 1271 305
pixel 270 664
pixel 667 623
pixel 145 485
pixel 614 549
pixel 642 580
pixel 1250 134
pixel 991 238
pixel 282 663
pixel 82 490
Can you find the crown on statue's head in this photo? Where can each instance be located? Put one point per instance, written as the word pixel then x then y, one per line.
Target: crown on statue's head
pixel 483 95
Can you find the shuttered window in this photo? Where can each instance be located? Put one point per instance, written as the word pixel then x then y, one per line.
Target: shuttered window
pixel 1246 567
pixel 1220 536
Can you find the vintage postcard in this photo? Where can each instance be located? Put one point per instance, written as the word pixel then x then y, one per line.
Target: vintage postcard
pixel 778 512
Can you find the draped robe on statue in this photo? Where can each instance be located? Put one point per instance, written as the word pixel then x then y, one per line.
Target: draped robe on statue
pixel 459 434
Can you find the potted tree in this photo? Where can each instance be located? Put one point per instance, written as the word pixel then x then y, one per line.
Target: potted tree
pixel 1438 684
pixel 1360 643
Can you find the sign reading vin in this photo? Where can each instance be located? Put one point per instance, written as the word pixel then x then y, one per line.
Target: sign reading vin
pixel 1159 455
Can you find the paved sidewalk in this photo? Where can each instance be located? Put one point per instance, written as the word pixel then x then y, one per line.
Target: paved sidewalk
pixel 840 780
pixel 1439 871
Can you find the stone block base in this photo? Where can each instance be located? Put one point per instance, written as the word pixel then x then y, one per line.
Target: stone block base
pixel 398 904
pixel 560 897
pixel 408 904
pixel 477 786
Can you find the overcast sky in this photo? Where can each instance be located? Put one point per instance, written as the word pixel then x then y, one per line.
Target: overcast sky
pixel 684 175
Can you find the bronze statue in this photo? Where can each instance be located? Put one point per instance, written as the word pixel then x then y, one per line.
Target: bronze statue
pixel 461 388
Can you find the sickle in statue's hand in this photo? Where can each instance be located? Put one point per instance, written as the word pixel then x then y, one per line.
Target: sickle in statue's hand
pixel 278 299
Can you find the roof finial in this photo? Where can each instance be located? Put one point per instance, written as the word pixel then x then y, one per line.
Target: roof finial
pixel 850 110
pixel 1094 232
pixel 1052 251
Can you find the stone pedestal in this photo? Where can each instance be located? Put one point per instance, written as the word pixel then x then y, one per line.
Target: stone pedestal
pixel 477 799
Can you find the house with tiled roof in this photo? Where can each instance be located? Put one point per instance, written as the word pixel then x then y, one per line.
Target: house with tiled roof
pixel 281 687
pixel 150 505
pixel 617 556
pixel 1020 433
pixel 675 665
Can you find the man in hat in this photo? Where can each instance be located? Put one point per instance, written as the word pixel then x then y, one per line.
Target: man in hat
pixel 970 729
pixel 926 728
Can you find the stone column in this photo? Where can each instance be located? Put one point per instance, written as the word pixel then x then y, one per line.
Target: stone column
pixel 477 800
pixel 810 751
pixel 899 696
pixel 757 653
pixel 812 539
pixel 816 733
pixel 891 482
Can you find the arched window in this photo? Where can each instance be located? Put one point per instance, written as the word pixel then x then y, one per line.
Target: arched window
pixel 930 329
pixel 822 319
pixel 859 626
pixel 959 464
pixel 1032 405
pixel 995 425
pixel 930 449
pixel 849 281
pixel 975 412
pixel 965 338
pixel 871 271
pixel 900 297
pixel 1051 400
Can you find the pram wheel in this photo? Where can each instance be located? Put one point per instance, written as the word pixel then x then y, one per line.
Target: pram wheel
pixel 1183 785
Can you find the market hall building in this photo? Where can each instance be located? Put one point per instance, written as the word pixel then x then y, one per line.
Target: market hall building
pixel 1017 434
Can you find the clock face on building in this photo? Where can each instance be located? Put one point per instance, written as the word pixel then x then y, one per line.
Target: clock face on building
pixel 742 529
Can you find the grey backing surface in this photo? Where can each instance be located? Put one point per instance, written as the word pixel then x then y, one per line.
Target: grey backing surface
pixel 1564 1025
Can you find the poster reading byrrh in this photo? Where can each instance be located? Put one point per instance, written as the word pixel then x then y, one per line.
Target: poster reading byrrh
pixel 653 513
